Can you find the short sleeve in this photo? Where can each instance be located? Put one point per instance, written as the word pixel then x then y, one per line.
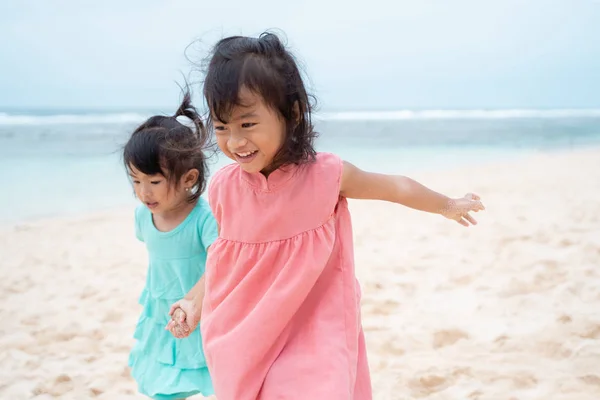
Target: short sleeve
pixel 327 180
pixel 209 231
pixel 138 223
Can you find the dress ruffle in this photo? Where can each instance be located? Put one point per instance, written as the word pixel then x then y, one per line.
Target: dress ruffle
pixel 179 363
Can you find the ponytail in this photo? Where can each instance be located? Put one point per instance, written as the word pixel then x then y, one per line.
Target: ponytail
pixel 187 109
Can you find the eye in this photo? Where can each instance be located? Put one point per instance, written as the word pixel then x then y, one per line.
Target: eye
pixel 155 182
pixel 219 128
pixel 136 182
pixel 248 124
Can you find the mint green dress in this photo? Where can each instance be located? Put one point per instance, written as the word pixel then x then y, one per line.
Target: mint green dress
pixel 165 367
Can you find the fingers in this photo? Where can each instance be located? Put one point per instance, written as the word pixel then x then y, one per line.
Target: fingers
pixel 174 326
pixel 470 219
pixel 466 220
pixel 185 327
pixel 477 205
pixel 169 325
pixel 179 315
pixel 174 331
pixel 181 335
pixel 471 202
pixel 174 307
pixel 472 196
pixel 178 331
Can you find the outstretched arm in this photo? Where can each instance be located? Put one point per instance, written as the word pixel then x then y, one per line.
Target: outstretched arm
pixel 359 184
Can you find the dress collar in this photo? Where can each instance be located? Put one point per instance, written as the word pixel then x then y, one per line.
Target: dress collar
pixel 276 178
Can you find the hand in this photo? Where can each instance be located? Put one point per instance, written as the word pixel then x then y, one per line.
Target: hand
pixel 189 315
pixel 179 329
pixel 458 209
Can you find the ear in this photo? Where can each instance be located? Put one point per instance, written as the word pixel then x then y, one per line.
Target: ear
pixel 190 178
pixel 296 112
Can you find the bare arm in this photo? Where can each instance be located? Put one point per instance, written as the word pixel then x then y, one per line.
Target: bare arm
pixel 359 184
pixel 197 292
pixel 186 313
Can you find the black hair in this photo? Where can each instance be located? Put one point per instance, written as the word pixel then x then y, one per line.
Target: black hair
pixel 266 68
pixel 163 145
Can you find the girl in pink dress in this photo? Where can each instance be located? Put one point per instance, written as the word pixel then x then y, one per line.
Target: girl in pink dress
pixel 281 309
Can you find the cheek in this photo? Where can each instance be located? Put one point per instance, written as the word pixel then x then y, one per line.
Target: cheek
pixel 222 143
pixel 163 192
pixel 279 133
pixel 277 140
pixel 271 142
pixel 138 190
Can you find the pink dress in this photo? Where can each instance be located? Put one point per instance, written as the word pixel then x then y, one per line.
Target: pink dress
pixel 281 315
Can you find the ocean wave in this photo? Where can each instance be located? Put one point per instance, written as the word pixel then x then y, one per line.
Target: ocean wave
pixel 71 119
pixel 456 114
pixel 136 118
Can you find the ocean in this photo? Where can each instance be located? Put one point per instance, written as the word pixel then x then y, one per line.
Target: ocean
pixel 68 162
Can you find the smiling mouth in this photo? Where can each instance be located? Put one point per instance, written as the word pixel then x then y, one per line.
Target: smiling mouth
pixel 246 157
pixel 151 204
pixel 246 154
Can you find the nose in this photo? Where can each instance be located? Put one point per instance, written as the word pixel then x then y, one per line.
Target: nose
pixel 145 191
pixel 236 141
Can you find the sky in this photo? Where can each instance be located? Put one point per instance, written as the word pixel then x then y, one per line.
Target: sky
pixel 368 55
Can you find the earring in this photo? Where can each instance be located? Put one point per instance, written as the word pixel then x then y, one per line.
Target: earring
pixel 187 189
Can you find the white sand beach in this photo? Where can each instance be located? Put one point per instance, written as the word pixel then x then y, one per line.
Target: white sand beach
pixel 506 310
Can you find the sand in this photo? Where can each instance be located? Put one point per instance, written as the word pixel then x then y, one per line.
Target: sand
pixel 504 310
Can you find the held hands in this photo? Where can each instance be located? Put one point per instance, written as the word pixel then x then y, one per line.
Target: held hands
pixel 185 317
pixel 177 326
pixel 458 209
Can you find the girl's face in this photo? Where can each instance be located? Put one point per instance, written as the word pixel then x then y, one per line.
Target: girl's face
pixel 253 135
pixel 157 193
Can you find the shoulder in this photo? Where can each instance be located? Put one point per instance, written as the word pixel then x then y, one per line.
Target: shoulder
pixel 200 216
pixel 222 175
pixel 141 214
pixel 327 168
pixel 202 205
pixel 220 181
pixel 329 162
pixel 328 158
pixel 322 176
pixel 141 221
pixel 203 211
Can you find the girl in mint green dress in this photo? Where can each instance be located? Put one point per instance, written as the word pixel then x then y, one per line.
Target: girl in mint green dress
pixel 167 167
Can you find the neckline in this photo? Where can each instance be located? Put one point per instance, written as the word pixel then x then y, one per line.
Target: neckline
pixel 178 227
pixel 276 178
